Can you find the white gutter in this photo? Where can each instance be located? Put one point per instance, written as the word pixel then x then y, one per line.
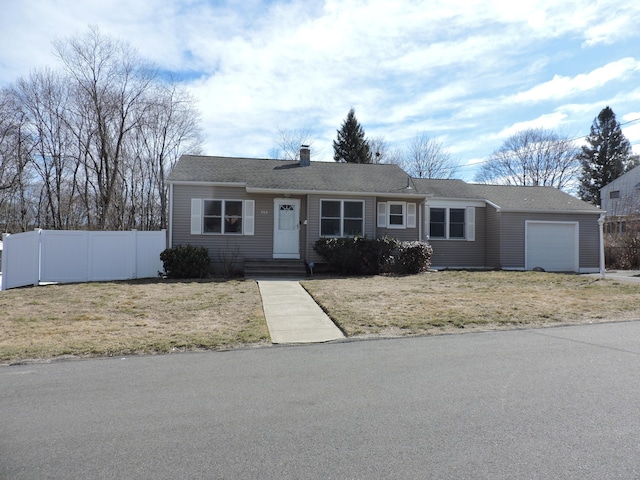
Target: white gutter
pixel 207 184
pixel 278 191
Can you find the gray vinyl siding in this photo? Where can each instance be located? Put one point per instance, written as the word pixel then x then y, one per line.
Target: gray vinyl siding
pixel 492 238
pixel 589 231
pixel 513 237
pixel 462 253
pixel 257 246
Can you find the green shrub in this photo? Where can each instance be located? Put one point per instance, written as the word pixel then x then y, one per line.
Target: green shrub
pixel 357 255
pixel 414 257
pixel 186 261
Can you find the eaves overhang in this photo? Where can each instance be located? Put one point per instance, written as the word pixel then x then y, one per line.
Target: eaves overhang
pixel 280 191
pixel 207 184
pixel 564 212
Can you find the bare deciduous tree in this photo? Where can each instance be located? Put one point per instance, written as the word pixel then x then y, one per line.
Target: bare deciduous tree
pixel 90 145
pixel 426 157
pixel 289 142
pixel 533 157
pixel 111 82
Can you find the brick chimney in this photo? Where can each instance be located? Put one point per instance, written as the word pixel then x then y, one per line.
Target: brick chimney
pixel 305 156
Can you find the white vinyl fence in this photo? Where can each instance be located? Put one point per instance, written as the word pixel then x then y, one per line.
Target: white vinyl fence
pixel 80 256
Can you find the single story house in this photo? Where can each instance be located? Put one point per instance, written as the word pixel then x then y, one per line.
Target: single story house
pixel 247 210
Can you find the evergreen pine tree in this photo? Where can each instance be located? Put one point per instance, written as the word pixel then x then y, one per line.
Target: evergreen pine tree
pixel 606 156
pixel 350 145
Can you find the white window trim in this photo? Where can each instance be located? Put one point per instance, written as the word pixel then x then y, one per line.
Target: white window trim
pixel 409 215
pixel 197 216
pixel 469 223
pixel 341 216
pixel 404 215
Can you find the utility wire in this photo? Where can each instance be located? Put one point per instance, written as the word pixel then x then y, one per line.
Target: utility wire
pixel 487 160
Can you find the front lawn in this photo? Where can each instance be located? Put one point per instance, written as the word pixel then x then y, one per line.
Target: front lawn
pixel 123 318
pixel 453 301
pixel 160 316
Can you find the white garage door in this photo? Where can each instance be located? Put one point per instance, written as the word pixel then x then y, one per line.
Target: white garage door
pixel 552 246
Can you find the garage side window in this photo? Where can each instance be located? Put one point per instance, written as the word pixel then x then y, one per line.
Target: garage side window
pixel 452 223
pixel 438 223
pixel 456 223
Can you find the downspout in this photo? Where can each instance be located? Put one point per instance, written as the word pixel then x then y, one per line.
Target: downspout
pixel 601 230
pixel 421 209
pixel 170 240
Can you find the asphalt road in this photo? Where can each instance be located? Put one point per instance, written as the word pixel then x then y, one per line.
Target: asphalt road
pixel 529 404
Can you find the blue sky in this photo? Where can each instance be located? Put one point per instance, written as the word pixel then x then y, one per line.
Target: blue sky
pixel 467 72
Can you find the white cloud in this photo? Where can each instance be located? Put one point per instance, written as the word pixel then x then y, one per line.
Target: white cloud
pixel 455 66
pixel 548 121
pixel 562 86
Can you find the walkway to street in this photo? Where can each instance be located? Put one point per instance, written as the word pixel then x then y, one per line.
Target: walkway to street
pixel 292 315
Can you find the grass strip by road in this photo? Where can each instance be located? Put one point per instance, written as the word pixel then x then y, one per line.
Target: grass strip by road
pixel 124 318
pixel 456 301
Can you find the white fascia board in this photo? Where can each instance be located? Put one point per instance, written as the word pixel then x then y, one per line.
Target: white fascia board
pixel 456 202
pixel 279 191
pixel 564 212
pixel 208 184
pixel 494 205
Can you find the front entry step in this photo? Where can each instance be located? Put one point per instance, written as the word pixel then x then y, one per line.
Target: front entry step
pixel 274 268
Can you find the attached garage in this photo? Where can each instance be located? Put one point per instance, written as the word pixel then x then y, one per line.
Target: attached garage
pixel 553 246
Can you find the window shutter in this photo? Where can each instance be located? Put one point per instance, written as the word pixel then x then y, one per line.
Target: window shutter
pixel 196 216
pixel 382 214
pixel 249 217
pixel 411 215
pixel 470 224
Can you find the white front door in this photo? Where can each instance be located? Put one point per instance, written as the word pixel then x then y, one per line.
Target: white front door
pixel 286 233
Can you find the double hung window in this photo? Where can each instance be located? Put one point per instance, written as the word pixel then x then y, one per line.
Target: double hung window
pixel 222 216
pixel 448 223
pixel 341 218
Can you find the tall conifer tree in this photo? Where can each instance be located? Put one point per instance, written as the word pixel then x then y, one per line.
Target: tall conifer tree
pixel 350 145
pixel 606 156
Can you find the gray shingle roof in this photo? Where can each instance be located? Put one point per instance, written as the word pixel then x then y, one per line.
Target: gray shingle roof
pixel 258 174
pixel 507 197
pixel 539 199
pixel 445 188
pixel 381 179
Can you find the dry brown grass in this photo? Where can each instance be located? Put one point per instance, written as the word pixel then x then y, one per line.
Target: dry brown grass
pixel 445 302
pixel 158 316
pixel 119 318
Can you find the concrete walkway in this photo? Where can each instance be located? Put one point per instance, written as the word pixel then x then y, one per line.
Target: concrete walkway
pixel 292 315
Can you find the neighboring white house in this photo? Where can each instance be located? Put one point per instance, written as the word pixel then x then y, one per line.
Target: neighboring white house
pixel 0 256
pixel 622 196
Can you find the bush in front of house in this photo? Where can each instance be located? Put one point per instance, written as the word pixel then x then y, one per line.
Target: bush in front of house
pixel 414 257
pixel 357 255
pixel 186 261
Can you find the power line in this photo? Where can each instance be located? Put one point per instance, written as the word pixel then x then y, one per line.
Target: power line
pixel 487 160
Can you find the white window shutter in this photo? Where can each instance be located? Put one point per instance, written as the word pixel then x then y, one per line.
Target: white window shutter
pixel 249 217
pixel 470 224
pixel 382 214
pixel 411 215
pixel 196 216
